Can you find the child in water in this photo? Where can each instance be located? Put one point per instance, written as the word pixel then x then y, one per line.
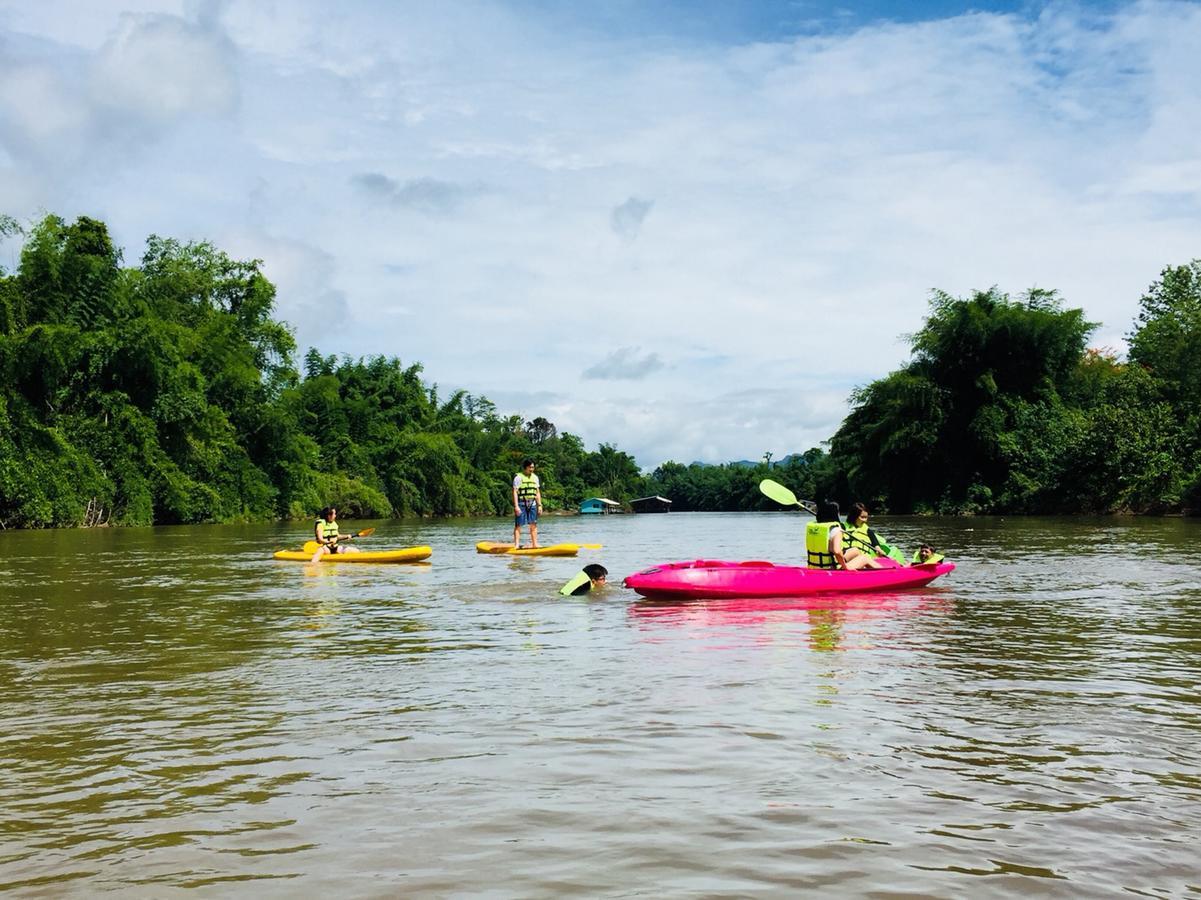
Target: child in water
pixel 927 555
pixel 588 579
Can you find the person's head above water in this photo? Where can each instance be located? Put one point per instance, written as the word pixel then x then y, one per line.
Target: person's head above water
pixel 587 579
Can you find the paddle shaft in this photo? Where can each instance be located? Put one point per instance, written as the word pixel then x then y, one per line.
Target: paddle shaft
pixel 313 546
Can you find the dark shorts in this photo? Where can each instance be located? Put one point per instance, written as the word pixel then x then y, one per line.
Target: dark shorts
pixel 527 516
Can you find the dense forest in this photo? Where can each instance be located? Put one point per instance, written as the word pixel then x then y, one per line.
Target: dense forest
pixel 166 392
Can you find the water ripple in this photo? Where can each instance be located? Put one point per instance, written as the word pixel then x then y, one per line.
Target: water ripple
pixel 230 724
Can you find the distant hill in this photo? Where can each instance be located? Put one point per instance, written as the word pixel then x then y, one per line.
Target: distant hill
pixel 748 463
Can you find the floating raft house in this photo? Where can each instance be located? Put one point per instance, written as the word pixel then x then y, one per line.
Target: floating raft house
pixel 655 504
pixel 599 505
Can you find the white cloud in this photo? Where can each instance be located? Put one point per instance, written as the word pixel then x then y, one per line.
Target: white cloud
pixel 307 294
pixel 39 106
pixel 808 191
pixel 625 364
pixel 160 68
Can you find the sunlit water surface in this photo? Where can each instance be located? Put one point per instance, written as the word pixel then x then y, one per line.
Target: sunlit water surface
pixel 178 710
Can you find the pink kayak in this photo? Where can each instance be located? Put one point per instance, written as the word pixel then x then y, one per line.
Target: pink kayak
pixel 715 578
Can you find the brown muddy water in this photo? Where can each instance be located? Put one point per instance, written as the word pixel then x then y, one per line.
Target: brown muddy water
pixel 178 710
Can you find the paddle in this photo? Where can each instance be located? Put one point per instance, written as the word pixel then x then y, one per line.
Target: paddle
pixel 313 546
pixel 776 491
pixel 891 552
pixel 773 490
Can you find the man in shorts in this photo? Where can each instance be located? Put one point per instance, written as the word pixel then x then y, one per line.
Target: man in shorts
pixel 527 502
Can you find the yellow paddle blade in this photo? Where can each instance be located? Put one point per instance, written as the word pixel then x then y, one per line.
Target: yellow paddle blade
pixel 773 490
pixel 365 532
pixel 590 546
pixel 310 547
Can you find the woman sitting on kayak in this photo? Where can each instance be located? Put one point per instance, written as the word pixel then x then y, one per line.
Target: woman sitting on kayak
pixel 824 544
pixel 325 532
pixel 857 534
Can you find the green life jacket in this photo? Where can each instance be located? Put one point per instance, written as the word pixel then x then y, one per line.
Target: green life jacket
pixel 573 587
pixel 329 530
pixel 861 538
pixel 817 545
pixel 527 491
pixel 933 558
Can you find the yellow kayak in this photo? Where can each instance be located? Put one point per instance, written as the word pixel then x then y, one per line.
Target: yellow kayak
pixel 404 555
pixel 552 550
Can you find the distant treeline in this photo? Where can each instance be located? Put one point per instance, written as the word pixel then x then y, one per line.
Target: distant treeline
pixel 167 393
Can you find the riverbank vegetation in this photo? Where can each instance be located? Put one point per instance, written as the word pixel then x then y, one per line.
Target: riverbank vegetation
pixel 166 392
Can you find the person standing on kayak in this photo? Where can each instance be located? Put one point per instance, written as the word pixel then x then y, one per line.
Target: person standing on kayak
pixel 824 543
pixel 325 532
pixel 527 503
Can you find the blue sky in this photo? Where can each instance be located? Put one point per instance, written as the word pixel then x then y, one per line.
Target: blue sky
pixel 741 21
pixel 690 229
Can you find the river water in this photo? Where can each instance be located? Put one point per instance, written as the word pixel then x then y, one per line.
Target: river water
pixel 178 710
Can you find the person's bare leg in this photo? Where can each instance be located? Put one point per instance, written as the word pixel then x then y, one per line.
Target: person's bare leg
pixel 862 561
pixel 533 534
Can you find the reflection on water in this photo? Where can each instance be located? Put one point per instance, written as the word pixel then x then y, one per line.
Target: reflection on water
pixel 179 710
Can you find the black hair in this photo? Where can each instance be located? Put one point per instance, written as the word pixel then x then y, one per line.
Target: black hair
pixel 827 511
pixel 595 571
pixel 526 462
pixel 326 511
pixel 854 511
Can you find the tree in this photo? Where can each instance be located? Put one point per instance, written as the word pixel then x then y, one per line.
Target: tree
pixel 932 435
pixel 539 430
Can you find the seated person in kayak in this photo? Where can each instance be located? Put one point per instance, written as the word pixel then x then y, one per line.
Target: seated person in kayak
pixel 824 543
pixel 325 532
pixel 591 577
pixel 926 554
pixel 858 536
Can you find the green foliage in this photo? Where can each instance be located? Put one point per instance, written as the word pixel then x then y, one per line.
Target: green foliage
pixel 1167 337
pixel 735 486
pixel 167 392
pixel 1003 410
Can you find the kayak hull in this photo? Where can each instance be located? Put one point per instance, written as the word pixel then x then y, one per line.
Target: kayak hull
pixel 719 579
pixel 404 555
pixel 510 550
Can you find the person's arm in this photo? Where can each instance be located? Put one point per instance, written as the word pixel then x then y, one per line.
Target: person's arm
pixel 836 548
pixel 319 534
pixel 538 495
pixel 516 508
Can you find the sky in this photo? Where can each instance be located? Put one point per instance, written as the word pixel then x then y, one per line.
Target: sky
pixel 688 229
